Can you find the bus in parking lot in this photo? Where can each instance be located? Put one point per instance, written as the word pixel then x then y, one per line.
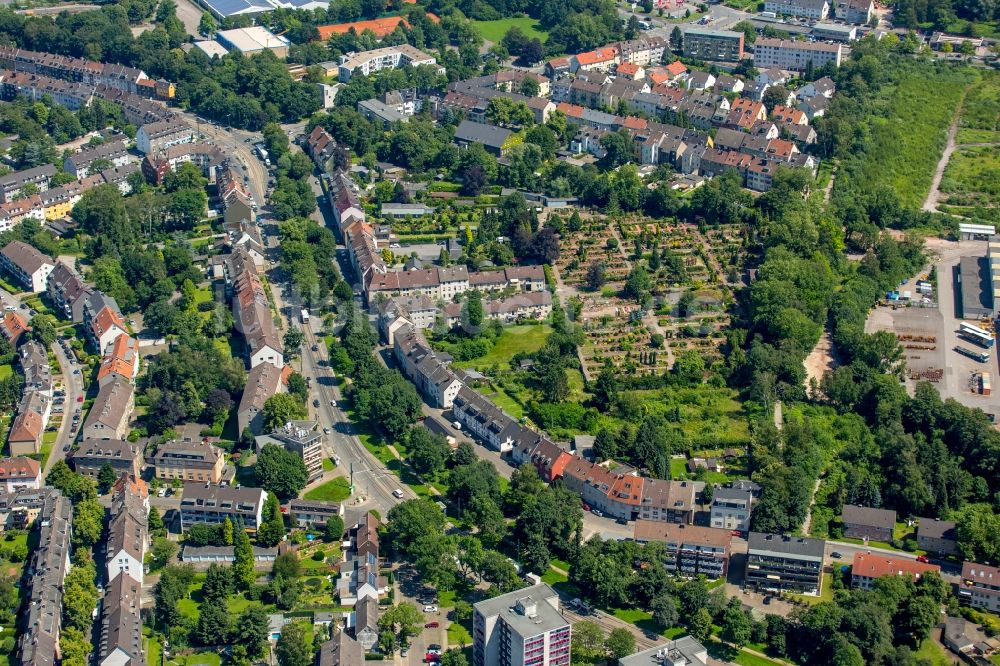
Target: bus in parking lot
pixel 973 333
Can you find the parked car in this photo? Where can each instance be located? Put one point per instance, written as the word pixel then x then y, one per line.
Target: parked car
pixel 597 513
pixel 836 554
pixel 316 402
pixel 922 558
pixel 430 609
pixel 432 625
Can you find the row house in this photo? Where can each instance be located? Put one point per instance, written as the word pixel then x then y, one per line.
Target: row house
pixel 320 146
pixel 162 134
pixel 67 290
pixel 616 493
pixel 114 152
pixel 670 501
pixel 399 311
pixel 121 359
pixel 530 305
pixel 136 110
pixel 461 105
pixel 120 77
pixel 121 639
pixel 13 213
pixel 690 550
pixel 603 59
pixel 235 199
pixel 263 381
pixel 12 184
pixel 642 51
pixel 50 560
pixel 128 534
pixel 424 368
pixel 36 87
pixel 862 522
pixel 25 436
pixel 111 412
pixel 817 10
pixel 103 320
pixel 744 113
pixel 484 420
pixel 252 318
pixel 547 457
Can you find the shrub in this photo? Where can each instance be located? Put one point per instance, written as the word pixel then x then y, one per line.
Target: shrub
pixel 318 555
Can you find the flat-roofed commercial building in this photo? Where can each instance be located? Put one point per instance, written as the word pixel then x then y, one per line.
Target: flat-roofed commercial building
pixel 253 40
pixel 690 549
pixel 784 563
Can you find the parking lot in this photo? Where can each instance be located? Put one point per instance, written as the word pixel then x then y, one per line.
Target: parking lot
pixel 929 335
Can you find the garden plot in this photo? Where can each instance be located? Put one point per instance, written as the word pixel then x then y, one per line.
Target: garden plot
pixel 625 341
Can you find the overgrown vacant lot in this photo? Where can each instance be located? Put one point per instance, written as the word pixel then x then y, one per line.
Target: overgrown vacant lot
pixel 973 176
pixel 906 128
pixel 980 120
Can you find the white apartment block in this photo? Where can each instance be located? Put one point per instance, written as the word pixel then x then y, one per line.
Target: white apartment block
pixel 794 56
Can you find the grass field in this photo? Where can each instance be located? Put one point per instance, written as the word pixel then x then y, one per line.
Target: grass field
pixel 335 490
pixel 6 371
pixel 932 653
pixel 494 31
pixel 523 338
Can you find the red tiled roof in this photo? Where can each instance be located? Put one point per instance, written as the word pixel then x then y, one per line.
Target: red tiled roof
pixel 676 68
pixel 629 68
pixel 876 566
pixel 597 55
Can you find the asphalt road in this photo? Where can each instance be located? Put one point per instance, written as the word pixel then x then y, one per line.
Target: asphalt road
pixel 74 387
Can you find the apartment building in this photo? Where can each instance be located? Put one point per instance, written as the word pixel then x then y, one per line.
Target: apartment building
pixel 390 57
pixel 252 313
pixel 862 522
pixel 25 436
pixel 691 550
pixel 670 501
pixel 192 461
pixel 27 265
pixel 128 534
pixel 68 291
pixel 19 473
pixel 484 420
pixel 707 44
pixel 114 152
pixel 731 509
pixel 302 438
pixel 42 615
pixel 795 56
pixel 212 504
pixel 263 381
pixel 121 359
pixel 111 411
pixel 855 11
pixel 521 628
pixel 312 513
pixel 937 536
pixel 782 563
pixel 102 320
pixel 162 134
pixel 425 368
pixel 869 567
pixel 13 184
pixel 817 10
pixel 123 456
pixel 980 586
pixel 121 640
pixel 36 87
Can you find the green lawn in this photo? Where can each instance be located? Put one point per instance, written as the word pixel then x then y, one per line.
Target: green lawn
pixel 6 371
pixel 523 338
pixel 932 653
pixel 553 577
pixel 335 490
pixel 328 465
pixel 458 635
pixel 494 31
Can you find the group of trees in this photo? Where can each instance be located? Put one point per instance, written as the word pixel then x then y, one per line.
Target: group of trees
pixel 192 380
pixel 546 521
pixel 385 399
pixel 308 258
